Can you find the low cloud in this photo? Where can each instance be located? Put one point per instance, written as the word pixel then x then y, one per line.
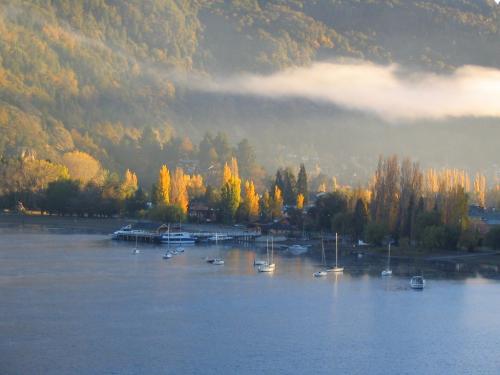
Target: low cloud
pixel 386 91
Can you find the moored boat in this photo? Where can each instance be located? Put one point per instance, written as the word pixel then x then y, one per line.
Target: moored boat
pixel 298 249
pixel 337 268
pixel 387 271
pixel 217 262
pixel 320 273
pixel 177 238
pixel 417 282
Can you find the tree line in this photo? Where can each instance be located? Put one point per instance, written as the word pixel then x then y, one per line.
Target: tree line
pixel 402 203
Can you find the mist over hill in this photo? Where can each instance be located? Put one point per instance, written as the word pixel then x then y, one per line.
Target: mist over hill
pixel 103 76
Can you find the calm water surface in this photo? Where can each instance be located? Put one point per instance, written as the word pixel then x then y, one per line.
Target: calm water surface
pixel 81 304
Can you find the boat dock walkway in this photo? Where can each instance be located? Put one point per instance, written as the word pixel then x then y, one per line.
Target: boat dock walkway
pixel 154 237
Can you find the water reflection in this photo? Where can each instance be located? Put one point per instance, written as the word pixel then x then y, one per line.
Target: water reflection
pixel 82 304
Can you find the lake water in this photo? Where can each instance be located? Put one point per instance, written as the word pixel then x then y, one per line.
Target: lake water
pixel 82 304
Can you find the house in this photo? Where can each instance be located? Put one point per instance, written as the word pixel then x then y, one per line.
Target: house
pixel 200 212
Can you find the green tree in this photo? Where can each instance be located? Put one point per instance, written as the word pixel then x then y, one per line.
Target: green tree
pixel 302 183
pixel 62 196
pixel 493 238
pixel 360 218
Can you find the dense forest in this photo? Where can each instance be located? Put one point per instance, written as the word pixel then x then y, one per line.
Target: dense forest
pixel 108 79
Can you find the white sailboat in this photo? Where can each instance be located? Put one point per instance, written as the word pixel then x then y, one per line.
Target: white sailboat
pixel 269 266
pixel 336 269
pixel 323 262
pixel 136 249
pixel 168 254
pixel 388 271
pixel 260 262
pixel 218 261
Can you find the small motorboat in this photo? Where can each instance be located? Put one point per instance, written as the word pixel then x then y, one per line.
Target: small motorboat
pixel 180 249
pixel 136 251
pixel 320 274
pixel 417 282
pixel 298 249
pixel 217 262
pixel 167 256
pixel 209 260
pixel 386 272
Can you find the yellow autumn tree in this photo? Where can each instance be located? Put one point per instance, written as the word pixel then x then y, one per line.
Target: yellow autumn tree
pixel 300 201
pixel 83 167
pixel 230 191
pixel 178 193
pixel 226 174
pixel 480 189
pixel 277 203
pixel 251 200
pixel 163 186
pixel 195 185
pixel 129 185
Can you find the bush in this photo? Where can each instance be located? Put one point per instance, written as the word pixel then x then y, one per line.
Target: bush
pixel 493 238
pixel 375 233
pixel 167 214
pixel 434 237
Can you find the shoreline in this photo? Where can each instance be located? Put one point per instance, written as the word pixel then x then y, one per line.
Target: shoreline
pixel 109 225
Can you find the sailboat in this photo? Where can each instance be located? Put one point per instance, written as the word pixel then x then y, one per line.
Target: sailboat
pixel 217 261
pixel 336 268
pixel 136 249
pixel 269 266
pixel 388 271
pixel 323 262
pixel 168 254
pixel 260 262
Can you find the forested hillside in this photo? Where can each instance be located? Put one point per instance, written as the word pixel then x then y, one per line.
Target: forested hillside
pixel 104 77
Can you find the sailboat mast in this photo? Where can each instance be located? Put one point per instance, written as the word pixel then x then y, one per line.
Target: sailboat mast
pixel 267 250
pixel 168 238
pixel 389 257
pixel 336 249
pixel 272 249
pixel 323 256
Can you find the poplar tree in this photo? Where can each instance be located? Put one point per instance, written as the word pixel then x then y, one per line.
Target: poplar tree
pixel 230 191
pixel 163 186
pixel 251 200
pixel 302 183
pixel 179 194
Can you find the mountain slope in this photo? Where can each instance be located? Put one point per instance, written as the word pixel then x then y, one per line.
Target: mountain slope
pixel 91 75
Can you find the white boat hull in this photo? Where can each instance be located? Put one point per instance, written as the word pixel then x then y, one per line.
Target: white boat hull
pixel 336 269
pixel 266 268
pixel 386 273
